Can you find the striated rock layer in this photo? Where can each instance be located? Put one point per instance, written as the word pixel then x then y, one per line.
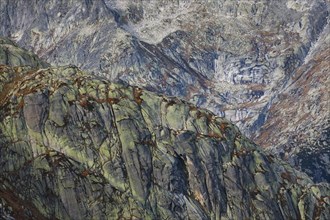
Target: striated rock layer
pixel 75 146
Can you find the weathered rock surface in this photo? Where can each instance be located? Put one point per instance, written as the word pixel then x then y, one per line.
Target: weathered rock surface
pixel 232 57
pixel 75 146
pixel 227 56
pixel 12 55
pixel 297 124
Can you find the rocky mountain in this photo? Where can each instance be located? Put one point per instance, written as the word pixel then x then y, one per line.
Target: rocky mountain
pixel 232 57
pixel 76 146
pixel 297 124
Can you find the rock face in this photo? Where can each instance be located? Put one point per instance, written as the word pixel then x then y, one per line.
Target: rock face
pixel 304 105
pixel 228 56
pixel 231 57
pixel 75 146
pixel 12 55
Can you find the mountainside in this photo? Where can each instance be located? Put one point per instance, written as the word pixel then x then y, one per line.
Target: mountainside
pixel 232 57
pixel 228 56
pixel 75 146
pixel 298 119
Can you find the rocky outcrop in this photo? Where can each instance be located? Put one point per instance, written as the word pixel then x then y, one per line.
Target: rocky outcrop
pixel 231 57
pixel 12 55
pixel 75 146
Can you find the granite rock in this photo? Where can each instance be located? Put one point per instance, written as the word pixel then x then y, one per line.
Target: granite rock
pixel 232 57
pixel 76 146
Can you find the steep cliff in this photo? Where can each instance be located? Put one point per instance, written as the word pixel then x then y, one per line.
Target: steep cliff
pixel 232 57
pixel 75 146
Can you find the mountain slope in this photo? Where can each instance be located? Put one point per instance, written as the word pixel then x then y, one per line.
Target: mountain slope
pixel 232 57
pixel 228 56
pixel 297 124
pixel 75 146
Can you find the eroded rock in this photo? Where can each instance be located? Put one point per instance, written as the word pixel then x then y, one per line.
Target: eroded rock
pixel 91 149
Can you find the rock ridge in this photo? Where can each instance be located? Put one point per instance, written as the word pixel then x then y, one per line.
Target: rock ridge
pixel 76 146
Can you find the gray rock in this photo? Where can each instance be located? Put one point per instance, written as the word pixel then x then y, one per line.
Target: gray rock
pixel 91 149
pixel 232 57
